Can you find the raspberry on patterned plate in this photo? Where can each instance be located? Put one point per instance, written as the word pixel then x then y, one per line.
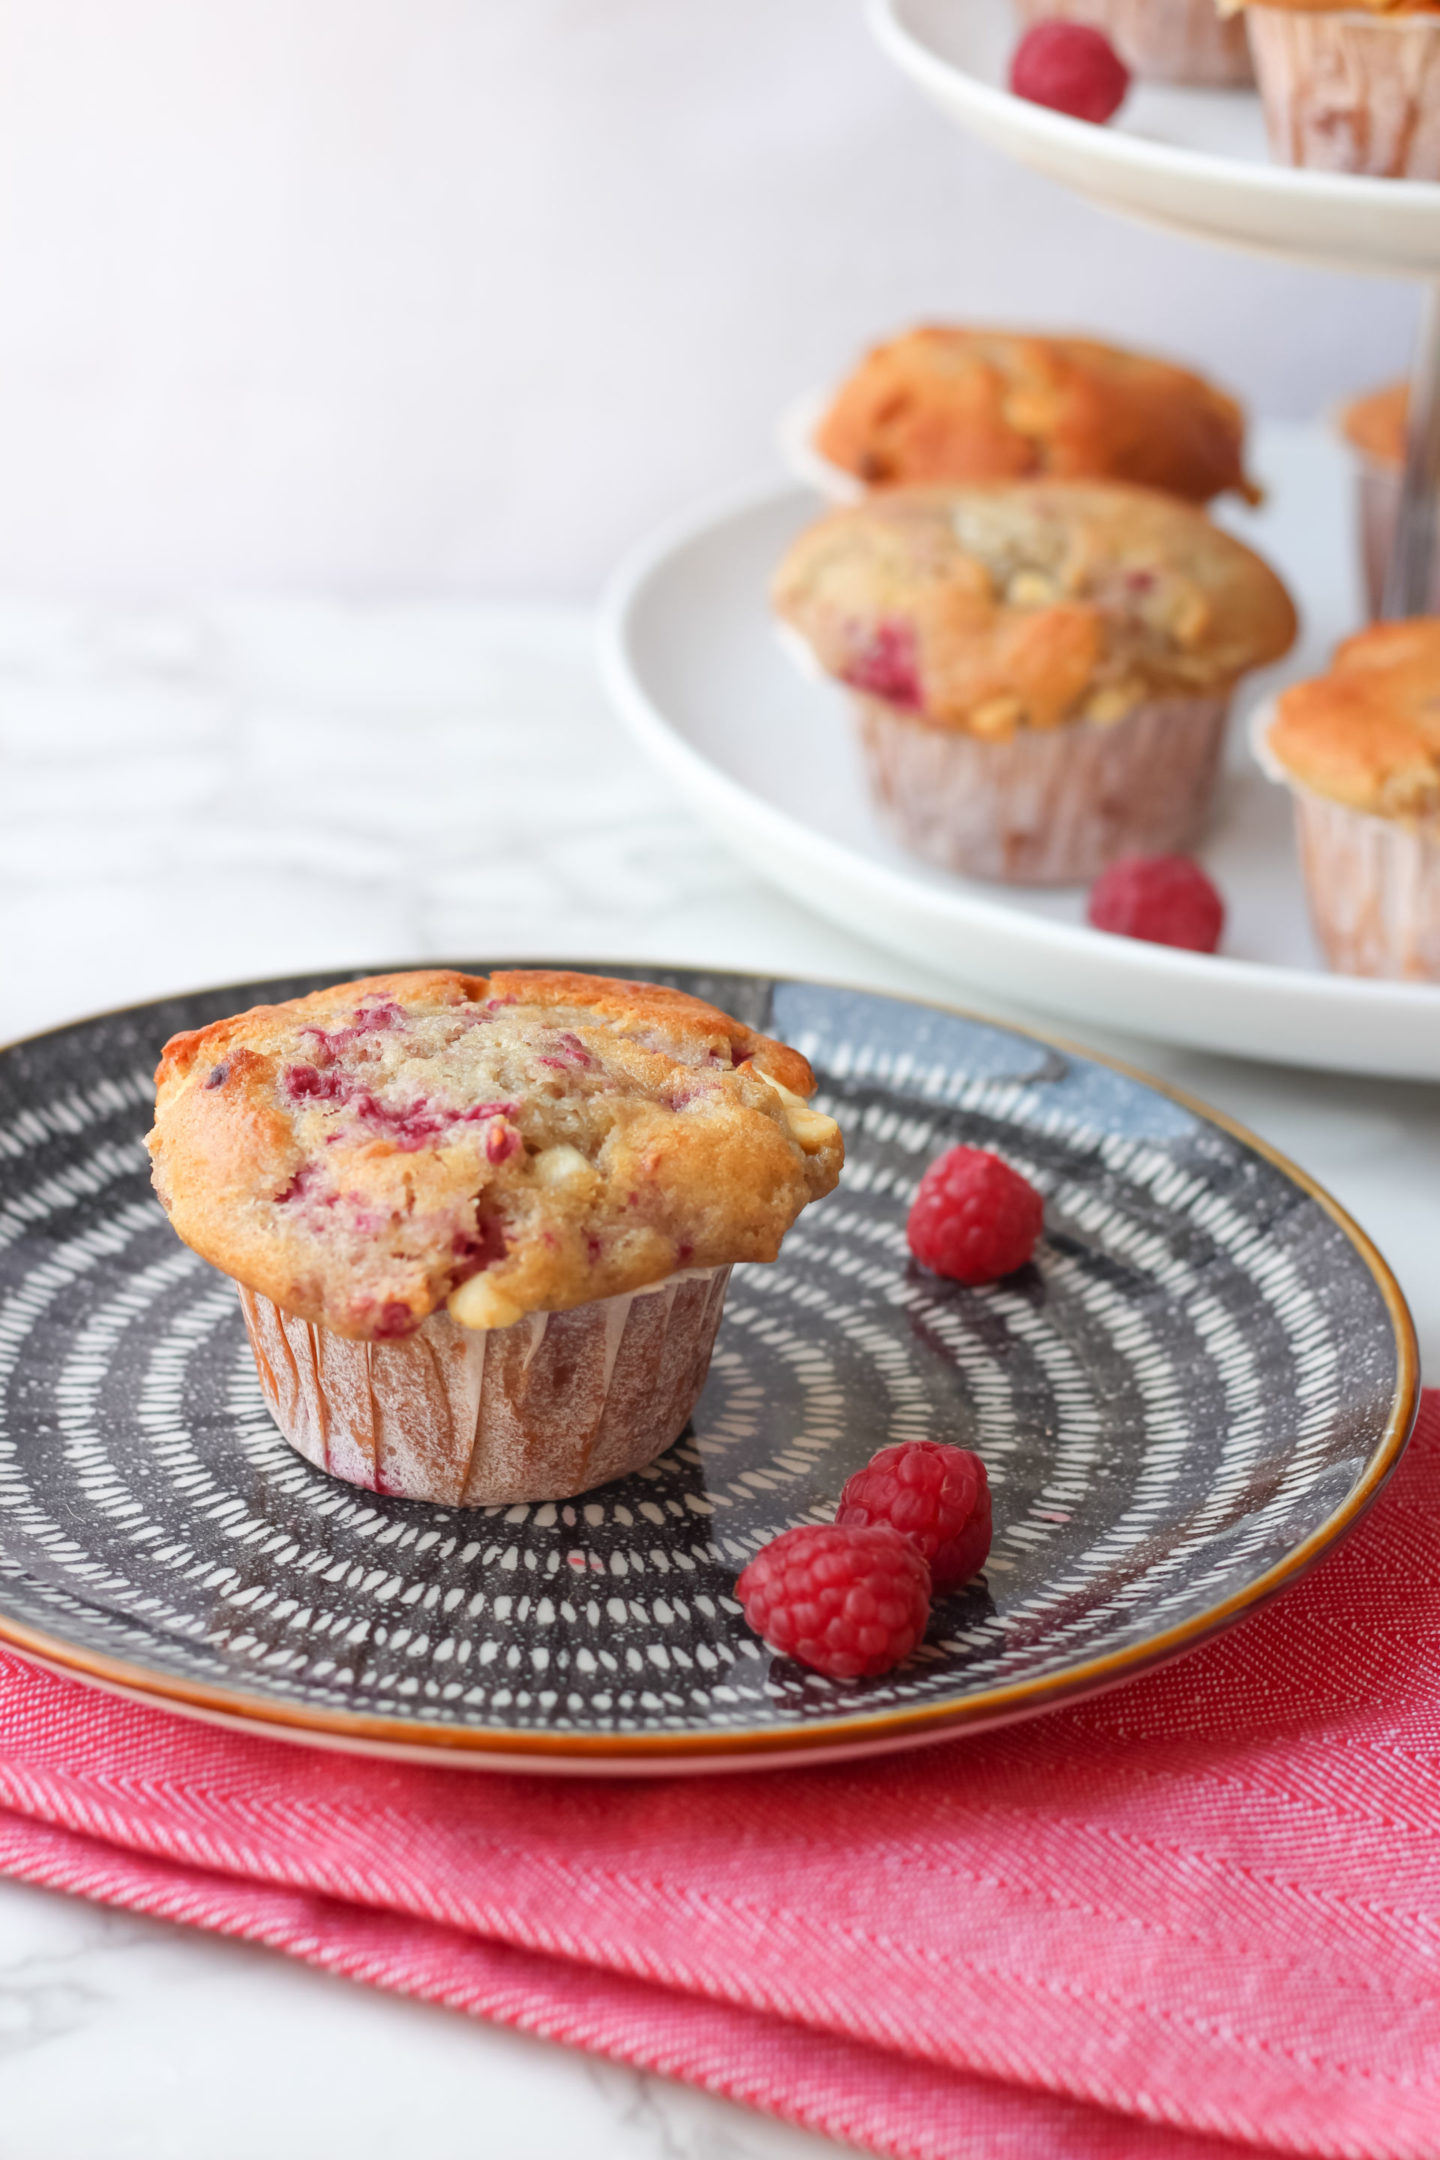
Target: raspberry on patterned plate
pixel 848 1601
pixel 936 1495
pixel 974 1219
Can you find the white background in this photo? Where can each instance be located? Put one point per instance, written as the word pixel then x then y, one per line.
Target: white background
pixel 384 295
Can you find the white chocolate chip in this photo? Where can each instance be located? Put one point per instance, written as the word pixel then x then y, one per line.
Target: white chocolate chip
pixel 1031 588
pixel 811 1130
pixel 1112 704
pixel 561 1165
pixel 997 718
pixel 478 1304
pixel 791 1100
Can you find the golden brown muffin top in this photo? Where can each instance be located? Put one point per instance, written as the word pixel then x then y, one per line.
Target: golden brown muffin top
pixel 1368 733
pixel 1376 424
pixel 501 1144
pixel 996 608
pixel 960 405
pixel 1337 7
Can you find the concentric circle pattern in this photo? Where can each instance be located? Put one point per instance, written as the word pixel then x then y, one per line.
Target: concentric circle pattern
pixel 1188 1384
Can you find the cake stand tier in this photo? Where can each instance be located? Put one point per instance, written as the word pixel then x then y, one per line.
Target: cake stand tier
pixel 1192 160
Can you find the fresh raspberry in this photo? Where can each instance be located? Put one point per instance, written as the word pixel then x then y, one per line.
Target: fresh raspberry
pixel 974 1218
pixel 1166 899
pixel 1071 68
pixel 889 666
pixel 937 1495
pixel 850 1602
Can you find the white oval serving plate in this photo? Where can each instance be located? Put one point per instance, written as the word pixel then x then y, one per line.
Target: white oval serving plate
pixel 1194 160
pixel 765 756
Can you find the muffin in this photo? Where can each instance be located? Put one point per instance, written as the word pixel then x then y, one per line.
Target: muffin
pixel 1360 750
pixel 1376 428
pixel 962 405
pixel 1042 671
pixel 482 1226
pixel 1350 86
pixel 1170 41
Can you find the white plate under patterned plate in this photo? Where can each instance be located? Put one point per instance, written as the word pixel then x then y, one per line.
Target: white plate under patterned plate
pixel 1195 160
pixel 765 755
pixel 1199 1385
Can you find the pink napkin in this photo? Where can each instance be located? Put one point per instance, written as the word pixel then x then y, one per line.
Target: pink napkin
pixel 1208 1903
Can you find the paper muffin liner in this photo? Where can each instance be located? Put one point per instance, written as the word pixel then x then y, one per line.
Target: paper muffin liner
pixel 1349 92
pixel 1174 41
pixel 1045 808
pixel 550 1407
pixel 1373 884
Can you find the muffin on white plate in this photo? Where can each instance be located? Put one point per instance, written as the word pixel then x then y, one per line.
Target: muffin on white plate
pixel 1041 672
pixel 482 1226
pixel 945 403
pixel 1375 428
pixel 1350 86
pixel 1169 41
pixel 1359 749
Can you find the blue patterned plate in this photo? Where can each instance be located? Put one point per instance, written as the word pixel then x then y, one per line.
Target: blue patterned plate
pixel 1198 1386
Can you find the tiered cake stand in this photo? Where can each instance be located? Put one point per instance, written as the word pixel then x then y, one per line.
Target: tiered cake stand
pixel 693 664
pixel 1196 161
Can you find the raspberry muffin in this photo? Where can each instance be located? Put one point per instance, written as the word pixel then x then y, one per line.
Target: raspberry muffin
pixel 1042 671
pixel 482 1226
pixel 1375 427
pixel 1350 86
pixel 958 405
pixel 1360 750
pixel 1171 41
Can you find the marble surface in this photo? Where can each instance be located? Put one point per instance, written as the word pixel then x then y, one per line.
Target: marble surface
pixel 247 789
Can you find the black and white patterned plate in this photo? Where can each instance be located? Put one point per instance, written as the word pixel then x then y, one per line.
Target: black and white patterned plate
pixel 1196 1388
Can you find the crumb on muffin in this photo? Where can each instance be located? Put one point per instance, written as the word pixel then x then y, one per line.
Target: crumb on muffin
pixel 946 404
pixel 499 1145
pixel 994 609
pixel 1367 734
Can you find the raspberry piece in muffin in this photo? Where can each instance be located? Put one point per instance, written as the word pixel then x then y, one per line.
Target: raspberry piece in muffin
pixel 525 1142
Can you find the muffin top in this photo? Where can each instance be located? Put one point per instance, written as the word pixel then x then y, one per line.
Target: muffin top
pixel 996 608
pixel 1368 733
pixel 1376 424
pixel 1338 7
pixel 959 405
pixel 499 1144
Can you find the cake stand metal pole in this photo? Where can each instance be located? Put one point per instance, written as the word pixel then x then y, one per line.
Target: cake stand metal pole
pixel 1416 555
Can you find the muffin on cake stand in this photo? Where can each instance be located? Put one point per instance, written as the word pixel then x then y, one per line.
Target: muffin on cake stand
pixel 1198 162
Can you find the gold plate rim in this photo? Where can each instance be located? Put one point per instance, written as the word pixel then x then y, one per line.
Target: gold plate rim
pixel 842 1737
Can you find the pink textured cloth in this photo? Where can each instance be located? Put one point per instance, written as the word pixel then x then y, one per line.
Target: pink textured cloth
pixel 1196 1915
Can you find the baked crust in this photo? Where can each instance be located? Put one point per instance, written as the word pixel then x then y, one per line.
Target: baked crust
pixel 1368 733
pixel 1377 423
pixel 1337 7
pixel 1029 605
pixel 503 1144
pixel 953 405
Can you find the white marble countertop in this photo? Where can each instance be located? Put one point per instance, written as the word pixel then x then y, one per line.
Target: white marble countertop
pixel 253 789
